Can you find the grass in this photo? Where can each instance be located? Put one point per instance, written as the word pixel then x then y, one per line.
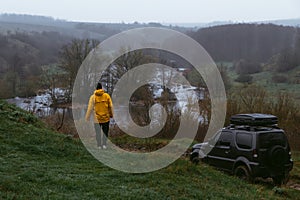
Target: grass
pixel 295 173
pixel 37 163
pixel 264 79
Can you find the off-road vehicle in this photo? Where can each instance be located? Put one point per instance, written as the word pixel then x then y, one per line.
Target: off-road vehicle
pixel 252 146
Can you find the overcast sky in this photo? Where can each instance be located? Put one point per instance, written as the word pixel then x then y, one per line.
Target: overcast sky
pixel 162 11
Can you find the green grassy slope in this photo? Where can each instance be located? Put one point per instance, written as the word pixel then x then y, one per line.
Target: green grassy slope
pixel 36 163
pixel 264 79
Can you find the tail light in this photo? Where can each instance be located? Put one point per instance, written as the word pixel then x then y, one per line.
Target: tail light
pixel 254 153
pixel 290 154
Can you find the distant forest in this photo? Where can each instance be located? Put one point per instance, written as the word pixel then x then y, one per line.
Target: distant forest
pixel 255 42
pixel 27 43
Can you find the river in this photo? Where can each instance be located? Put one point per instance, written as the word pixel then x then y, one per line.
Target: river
pixel 40 105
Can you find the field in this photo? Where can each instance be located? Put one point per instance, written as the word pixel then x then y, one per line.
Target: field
pixel 37 163
pixel 264 79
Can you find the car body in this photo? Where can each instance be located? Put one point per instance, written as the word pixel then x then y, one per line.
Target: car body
pixel 248 151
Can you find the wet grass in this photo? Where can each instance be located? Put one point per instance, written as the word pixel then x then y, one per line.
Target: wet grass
pixel 264 79
pixel 37 163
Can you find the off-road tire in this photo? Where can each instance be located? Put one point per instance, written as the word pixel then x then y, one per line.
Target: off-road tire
pixel 242 172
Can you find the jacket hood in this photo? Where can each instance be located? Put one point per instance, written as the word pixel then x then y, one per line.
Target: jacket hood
pixel 99 92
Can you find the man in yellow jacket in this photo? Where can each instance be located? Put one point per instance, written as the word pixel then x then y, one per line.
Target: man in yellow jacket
pixel 101 103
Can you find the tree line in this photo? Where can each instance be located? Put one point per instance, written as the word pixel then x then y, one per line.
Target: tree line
pixel 22 56
pixel 250 45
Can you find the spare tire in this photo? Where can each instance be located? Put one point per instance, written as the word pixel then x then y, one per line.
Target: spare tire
pixel 277 156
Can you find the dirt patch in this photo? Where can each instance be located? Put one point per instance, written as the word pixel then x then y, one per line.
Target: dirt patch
pixel 295 186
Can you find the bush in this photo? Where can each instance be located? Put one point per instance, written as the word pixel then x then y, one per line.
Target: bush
pixel 279 79
pixel 247 67
pixel 244 78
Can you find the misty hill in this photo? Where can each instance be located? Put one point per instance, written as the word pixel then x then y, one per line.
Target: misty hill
pixel 280 22
pixel 11 23
pixel 99 31
pixel 229 42
pixel 255 42
pixel 284 22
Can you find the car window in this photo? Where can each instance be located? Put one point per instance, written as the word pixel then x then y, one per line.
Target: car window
pixel 214 139
pixel 269 139
pixel 244 140
pixel 225 138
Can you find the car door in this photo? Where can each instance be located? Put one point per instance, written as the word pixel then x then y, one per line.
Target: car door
pixel 220 155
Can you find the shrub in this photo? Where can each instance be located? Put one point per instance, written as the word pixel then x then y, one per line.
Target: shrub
pixel 244 78
pixel 279 79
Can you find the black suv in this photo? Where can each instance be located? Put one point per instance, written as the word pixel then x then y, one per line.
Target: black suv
pixel 252 146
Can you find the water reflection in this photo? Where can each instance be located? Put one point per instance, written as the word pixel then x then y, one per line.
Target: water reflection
pixel 39 105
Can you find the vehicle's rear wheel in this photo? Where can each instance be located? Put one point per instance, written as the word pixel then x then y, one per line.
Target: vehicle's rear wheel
pixel 281 179
pixel 242 172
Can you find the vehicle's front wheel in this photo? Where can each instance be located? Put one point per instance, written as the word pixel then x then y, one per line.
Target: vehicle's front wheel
pixel 242 172
pixel 195 158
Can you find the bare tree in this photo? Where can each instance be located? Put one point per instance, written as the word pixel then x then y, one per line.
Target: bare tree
pixel 72 56
pixel 252 98
pixel 51 79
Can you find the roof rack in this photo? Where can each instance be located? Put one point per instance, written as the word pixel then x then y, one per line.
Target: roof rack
pixel 254 119
pixel 252 128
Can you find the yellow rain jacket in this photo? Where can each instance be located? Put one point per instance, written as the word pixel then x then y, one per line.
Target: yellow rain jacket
pixel 100 102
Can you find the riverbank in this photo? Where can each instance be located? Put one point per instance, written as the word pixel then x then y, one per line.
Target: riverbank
pixel 42 104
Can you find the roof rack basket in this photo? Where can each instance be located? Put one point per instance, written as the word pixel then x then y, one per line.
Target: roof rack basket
pixel 254 119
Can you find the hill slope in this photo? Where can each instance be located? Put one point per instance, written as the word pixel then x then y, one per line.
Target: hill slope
pixel 255 42
pixel 37 163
